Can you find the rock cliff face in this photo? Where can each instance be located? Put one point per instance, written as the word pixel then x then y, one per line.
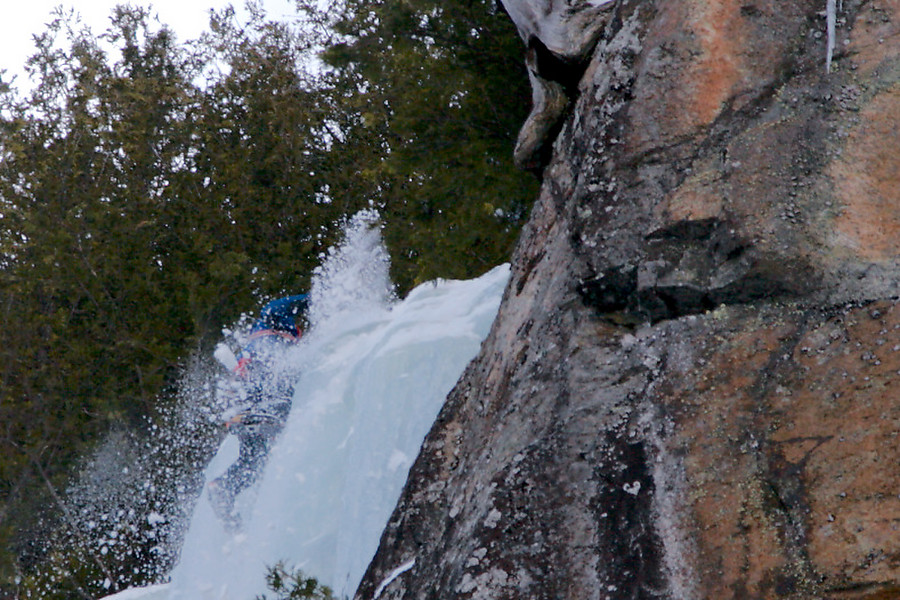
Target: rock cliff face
pixel 692 389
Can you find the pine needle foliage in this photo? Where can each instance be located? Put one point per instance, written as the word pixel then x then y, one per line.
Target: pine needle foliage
pixel 293 584
pixel 152 190
pixel 148 198
pixel 442 88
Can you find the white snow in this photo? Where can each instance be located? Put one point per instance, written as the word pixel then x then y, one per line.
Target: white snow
pixel 153 592
pixel 225 356
pixel 392 576
pixel 567 28
pixel 372 375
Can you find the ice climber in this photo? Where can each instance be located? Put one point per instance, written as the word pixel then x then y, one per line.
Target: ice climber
pixel 262 397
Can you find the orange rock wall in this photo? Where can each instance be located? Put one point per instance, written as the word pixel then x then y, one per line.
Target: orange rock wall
pixel 692 389
pixel 789 423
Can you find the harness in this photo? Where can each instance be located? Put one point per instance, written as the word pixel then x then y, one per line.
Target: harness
pixel 241 369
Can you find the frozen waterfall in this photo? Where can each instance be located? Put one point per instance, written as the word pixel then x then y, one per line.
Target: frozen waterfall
pixel 372 374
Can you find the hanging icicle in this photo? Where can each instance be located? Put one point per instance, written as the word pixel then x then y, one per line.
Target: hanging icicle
pixel 830 18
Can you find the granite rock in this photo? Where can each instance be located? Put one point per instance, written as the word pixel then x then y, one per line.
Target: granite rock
pixel 690 390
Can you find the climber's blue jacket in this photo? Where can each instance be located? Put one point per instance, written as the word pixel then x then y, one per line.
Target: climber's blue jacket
pixel 281 314
pixel 275 326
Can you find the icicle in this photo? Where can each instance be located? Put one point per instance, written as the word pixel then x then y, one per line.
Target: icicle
pixel 830 18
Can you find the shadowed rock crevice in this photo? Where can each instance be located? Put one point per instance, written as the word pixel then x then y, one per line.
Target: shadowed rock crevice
pixel 559 38
pixel 690 267
pixel 550 100
pixel 631 551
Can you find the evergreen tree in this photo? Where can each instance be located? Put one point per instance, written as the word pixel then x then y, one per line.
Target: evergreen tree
pixel 442 86
pixel 150 196
pixel 142 212
pixel 293 584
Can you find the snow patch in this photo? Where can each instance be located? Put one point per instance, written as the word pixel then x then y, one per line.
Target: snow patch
pixel 153 592
pixel 392 576
pixel 568 28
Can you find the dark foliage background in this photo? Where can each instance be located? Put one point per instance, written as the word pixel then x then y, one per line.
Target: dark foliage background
pixel 151 191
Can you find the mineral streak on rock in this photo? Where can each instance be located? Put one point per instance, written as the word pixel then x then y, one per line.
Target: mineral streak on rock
pixel 690 390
